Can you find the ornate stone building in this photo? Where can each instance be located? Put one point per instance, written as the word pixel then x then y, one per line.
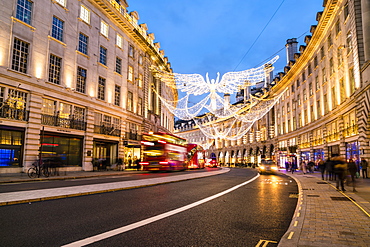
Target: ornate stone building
pixel 76 83
pixel 325 109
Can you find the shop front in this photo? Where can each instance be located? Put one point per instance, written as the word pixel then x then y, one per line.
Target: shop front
pixel 11 147
pixel 353 151
pixel 104 153
pixel 333 151
pixel 318 154
pixel 132 154
pixel 61 150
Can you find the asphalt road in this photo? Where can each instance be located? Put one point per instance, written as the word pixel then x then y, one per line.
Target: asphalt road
pixel 250 215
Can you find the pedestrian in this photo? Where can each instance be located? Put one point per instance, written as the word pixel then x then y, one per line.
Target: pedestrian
pixel 340 169
pixel 352 169
pixel 137 163
pixel 364 165
pixel 311 166
pixel 329 169
pixel 321 165
pixel 303 167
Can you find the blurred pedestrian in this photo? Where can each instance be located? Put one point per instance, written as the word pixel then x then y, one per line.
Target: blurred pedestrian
pixel 311 166
pixel 352 169
pixel 304 167
pixel 364 165
pixel 340 169
pixel 329 169
pixel 321 165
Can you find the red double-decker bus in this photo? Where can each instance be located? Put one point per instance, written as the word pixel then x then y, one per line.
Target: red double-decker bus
pixel 163 152
pixel 196 156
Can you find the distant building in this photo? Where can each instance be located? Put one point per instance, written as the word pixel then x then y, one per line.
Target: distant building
pixel 76 83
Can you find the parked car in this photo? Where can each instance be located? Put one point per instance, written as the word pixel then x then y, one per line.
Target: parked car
pixel 268 166
pixel 211 163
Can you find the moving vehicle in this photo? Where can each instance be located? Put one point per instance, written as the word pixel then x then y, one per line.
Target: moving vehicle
pixel 268 166
pixel 196 156
pixel 163 152
pixel 211 163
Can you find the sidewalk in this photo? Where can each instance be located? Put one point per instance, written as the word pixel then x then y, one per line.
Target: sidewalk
pixel 327 217
pixel 323 216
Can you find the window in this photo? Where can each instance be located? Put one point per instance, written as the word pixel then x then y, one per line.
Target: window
pixel 140 80
pixel 130 101
pixel 330 41
pixel 339 56
pixel 337 27
pixel 349 42
pixel 324 79
pixel 140 106
pixel 48 107
pixel 333 97
pixel 55 65
pixel 346 12
pixel 119 65
pixel 20 55
pixel 117 95
pixel 352 81
pixel 315 63
pixel 312 113
pixel 322 51
pixel 101 88
pixel 104 28
pixel 85 14
pixel 317 83
pixel 61 2
pixel 83 41
pixel 326 104
pixel 304 95
pixel 24 11
pixel 81 80
pixel 131 51
pixel 103 55
pixel 342 90
pixel 130 74
pixel 299 99
pixel 119 41
pixel 309 69
pixel 57 29
pixel 318 108
pixel 141 60
pixel 331 64
pixel 310 89
pixel 298 84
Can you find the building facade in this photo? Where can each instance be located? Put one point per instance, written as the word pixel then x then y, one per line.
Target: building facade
pixel 325 110
pixel 76 83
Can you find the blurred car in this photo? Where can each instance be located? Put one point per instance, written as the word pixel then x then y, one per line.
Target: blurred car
pixel 268 166
pixel 211 163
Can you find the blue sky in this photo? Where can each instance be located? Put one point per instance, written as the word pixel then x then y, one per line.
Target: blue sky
pixel 200 36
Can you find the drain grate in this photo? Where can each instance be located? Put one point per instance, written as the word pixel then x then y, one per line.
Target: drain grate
pixel 308 189
pixel 322 183
pixel 347 233
pixel 341 198
pixel 313 196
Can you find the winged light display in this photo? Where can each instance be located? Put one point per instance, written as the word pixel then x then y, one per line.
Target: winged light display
pixel 222 122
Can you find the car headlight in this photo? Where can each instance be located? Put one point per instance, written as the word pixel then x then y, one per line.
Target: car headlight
pixel 274 168
pixel 262 167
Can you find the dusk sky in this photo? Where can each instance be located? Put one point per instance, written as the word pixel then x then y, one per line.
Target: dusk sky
pixel 200 36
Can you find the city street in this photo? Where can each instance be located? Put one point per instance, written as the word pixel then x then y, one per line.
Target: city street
pixel 184 213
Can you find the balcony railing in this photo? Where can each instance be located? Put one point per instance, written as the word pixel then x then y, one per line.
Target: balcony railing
pixel 69 123
pixel 133 136
pixel 107 129
pixel 12 113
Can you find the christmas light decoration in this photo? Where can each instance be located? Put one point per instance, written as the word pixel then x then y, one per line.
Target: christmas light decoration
pixel 223 121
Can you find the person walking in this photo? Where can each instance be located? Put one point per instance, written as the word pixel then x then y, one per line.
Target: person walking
pixel 340 169
pixel 311 166
pixel 303 167
pixel 329 169
pixel 364 165
pixel 321 165
pixel 352 169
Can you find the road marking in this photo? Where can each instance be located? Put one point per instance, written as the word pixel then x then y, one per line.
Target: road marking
pixel 132 226
pixel 296 223
pixel 290 235
pixel 265 243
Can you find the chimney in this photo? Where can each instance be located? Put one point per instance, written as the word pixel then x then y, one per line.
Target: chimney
pixel 291 49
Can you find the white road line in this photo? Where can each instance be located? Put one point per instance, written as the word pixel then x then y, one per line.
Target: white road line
pixel 123 229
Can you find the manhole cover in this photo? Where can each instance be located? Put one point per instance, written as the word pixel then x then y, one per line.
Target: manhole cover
pixel 340 198
pixel 313 195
